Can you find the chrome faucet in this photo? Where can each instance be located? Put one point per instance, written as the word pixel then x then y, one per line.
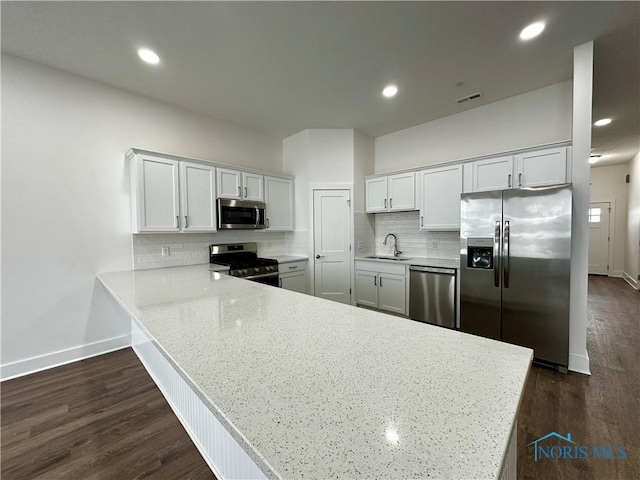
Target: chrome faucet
pixel 396 252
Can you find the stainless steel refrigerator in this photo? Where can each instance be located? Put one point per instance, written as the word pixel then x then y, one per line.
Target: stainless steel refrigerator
pixel 515 249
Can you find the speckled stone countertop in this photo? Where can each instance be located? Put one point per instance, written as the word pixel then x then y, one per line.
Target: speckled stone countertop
pixel 422 261
pixel 317 389
pixel 289 258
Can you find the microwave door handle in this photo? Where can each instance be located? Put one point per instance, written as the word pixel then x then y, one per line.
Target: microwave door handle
pixel 496 255
pixel 257 217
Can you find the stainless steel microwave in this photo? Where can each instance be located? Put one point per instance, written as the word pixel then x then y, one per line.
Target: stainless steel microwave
pixel 234 214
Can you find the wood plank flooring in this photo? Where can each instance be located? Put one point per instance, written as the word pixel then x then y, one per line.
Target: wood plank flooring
pixel 101 418
pixel 104 418
pixel 600 409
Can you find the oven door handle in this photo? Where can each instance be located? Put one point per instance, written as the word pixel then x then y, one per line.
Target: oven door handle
pixel 255 277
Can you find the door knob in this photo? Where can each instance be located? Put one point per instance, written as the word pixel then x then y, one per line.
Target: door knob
pixel 319 256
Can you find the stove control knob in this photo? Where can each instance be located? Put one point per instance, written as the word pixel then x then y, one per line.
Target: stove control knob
pixel 256 269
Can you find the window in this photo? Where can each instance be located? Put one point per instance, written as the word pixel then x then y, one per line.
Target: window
pixel 594 215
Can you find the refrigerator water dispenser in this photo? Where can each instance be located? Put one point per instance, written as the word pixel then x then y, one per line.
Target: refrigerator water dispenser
pixel 480 253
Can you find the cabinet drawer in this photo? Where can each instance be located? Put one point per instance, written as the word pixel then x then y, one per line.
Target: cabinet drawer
pixel 382 267
pixel 292 267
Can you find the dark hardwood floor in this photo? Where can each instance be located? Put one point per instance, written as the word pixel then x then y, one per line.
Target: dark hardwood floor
pixel 601 409
pixel 101 418
pixel 104 418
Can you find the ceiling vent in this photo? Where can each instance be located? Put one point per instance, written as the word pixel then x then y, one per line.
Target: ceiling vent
pixel 473 96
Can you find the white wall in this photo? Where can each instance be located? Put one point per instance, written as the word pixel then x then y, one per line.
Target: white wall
pixel 608 185
pixel 65 200
pixel 582 95
pixel 632 252
pixel 534 118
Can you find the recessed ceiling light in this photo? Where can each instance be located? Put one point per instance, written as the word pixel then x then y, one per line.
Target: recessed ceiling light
pixel 602 122
pixel 532 31
pixel 390 91
pixel 148 56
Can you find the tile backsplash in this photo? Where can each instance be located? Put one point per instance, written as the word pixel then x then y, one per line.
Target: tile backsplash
pixel 412 241
pixel 193 248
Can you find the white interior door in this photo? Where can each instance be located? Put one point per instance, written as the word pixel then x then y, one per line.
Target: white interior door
pixel 599 238
pixel 331 240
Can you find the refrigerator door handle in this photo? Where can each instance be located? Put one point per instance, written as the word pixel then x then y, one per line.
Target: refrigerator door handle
pixel 496 255
pixel 507 230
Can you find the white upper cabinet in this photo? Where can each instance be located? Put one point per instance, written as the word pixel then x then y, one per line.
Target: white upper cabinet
pixel 493 174
pixel 252 184
pixel 198 197
pixel 154 194
pixel 171 196
pixel 279 199
pixel 531 169
pixel 229 183
pixel 376 194
pixel 440 199
pixel 541 168
pixel 394 193
pixel 402 188
pixel 240 185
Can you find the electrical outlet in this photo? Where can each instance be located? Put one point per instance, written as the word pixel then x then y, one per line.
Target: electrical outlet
pixel 165 251
pixel 433 246
pixel 359 245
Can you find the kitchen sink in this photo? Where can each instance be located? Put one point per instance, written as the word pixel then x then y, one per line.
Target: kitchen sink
pixel 387 257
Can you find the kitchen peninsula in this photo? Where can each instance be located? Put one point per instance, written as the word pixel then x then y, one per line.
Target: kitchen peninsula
pixel 307 388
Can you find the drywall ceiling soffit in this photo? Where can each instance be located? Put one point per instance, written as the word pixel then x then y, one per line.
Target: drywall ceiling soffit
pixel 282 67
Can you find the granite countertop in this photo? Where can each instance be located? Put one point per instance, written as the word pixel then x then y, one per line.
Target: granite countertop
pixel 316 389
pixel 421 261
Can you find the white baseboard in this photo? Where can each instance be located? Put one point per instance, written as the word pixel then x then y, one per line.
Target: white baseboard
pixel 617 274
pixel 630 280
pixel 62 357
pixel 579 363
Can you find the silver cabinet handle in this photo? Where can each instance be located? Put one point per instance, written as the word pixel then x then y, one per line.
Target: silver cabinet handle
pixel 380 281
pixel 507 231
pixel 385 203
pixel 245 192
pixel 267 223
pixel 422 221
pixel 319 256
pixel 496 255
pixel 391 203
pixel 520 179
pixel 293 267
pixel 178 222
pixel 186 222
pixel 375 280
pixel 280 282
pixel 509 181
pixel 239 191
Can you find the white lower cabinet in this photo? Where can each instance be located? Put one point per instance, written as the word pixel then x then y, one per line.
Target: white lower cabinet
pixel 293 276
pixel 382 286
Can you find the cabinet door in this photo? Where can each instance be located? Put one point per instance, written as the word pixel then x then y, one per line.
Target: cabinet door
pixel 366 288
pixel 544 167
pixel 198 198
pixel 493 174
pixel 157 195
pixel 376 194
pixel 296 282
pixel 229 183
pixel 441 189
pixel 402 192
pixel 392 293
pixel 278 194
pixel 252 185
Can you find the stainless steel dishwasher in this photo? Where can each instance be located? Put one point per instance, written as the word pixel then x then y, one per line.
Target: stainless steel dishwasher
pixel 432 295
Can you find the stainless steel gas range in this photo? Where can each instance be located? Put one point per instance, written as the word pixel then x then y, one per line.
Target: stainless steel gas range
pixel 243 262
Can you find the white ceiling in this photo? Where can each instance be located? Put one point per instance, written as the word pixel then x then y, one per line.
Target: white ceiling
pixel 281 67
